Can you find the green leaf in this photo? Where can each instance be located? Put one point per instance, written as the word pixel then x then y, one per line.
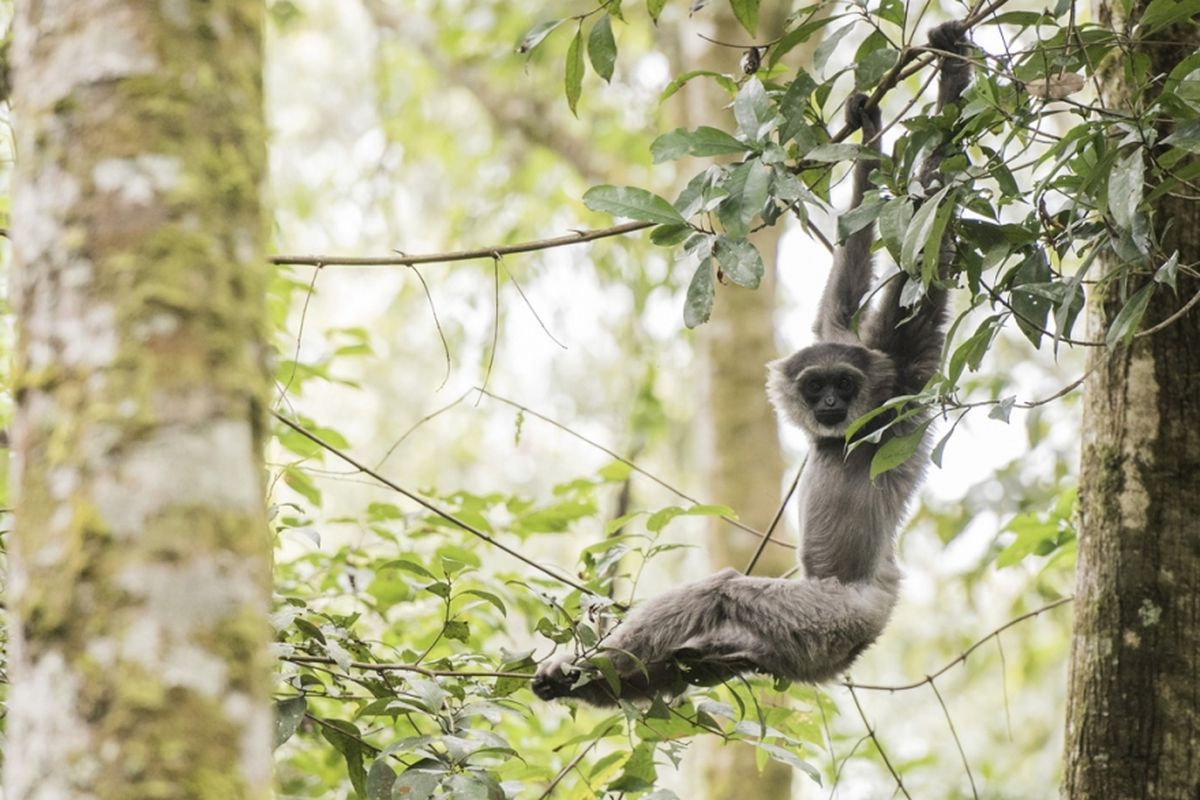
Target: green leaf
pixel 536 34
pixel 869 70
pixel 723 80
pixel 1129 317
pixel 748 184
pixel 302 484
pixel 1003 409
pixel 556 518
pixel 380 779
pixel 1168 272
pixel 858 218
pixel 828 47
pixel 751 109
pixel 489 597
pixel 602 48
pixel 919 231
pixel 897 450
pixel 669 235
pixel 704 141
pixel 933 247
pixel 1126 183
pixel 629 201
pixel 655 7
pixel 970 353
pixel 739 261
pixel 746 12
pixel 457 629
pixel 415 784
pixel 288 714
pixel 574 71
pixel 698 306
pixel 894 219
pixel 347 740
pixel 793 105
pixel 1163 13
pixel 1186 136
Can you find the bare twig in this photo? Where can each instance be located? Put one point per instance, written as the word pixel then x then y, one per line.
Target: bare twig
pixel 878 745
pixel 573 763
pixel 421 501
pixel 957 742
pixel 402 260
pixel 962 657
pixel 371 666
pixel 762 545
pixel 639 470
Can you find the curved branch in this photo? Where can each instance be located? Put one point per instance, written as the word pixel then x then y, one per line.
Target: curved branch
pixel 402 260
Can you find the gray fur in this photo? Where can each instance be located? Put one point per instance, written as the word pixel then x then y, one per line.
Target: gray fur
pixel 811 629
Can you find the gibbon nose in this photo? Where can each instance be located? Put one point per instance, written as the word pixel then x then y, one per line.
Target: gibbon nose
pixel 830 401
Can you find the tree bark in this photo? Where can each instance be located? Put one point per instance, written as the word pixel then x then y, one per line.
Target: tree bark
pixel 1133 715
pixel 139 581
pixel 743 466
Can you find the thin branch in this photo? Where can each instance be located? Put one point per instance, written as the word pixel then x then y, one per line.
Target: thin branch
pixel 389 667
pixel 573 763
pixel 677 492
pixel 762 545
pixel 308 296
pixel 962 657
pixel 957 742
pixel 528 304
pixel 421 501
pixel 402 260
pixel 487 375
pixel 878 745
pixel 437 323
pixel 412 428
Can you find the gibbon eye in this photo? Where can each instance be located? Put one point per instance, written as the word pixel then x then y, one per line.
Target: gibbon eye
pixel 813 386
pixel 845 385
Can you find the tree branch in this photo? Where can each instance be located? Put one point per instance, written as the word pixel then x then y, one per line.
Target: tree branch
pixel 962 657
pixel 421 501
pixel 402 260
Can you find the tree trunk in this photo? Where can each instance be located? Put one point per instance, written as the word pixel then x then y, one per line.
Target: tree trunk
pixel 744 466
pixel 1133 715
pixel 139 579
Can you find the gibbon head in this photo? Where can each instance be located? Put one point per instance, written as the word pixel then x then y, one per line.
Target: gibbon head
pixel 825 387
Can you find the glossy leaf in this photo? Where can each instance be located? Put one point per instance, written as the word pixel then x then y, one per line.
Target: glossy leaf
pixel 629 201
pixel 697 308
pixel 602 48
pixel 573 76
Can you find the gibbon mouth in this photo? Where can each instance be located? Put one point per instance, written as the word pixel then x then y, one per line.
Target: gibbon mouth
pixel 830 416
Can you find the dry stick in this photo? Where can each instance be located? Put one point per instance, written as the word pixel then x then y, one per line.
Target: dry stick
pixel 957 742
pixel 572 764
pixel 878 745
pixel 962 657
pixel 390 667
pixel 466 526
pixel 678 493
pixel 402 260
pixel 762 545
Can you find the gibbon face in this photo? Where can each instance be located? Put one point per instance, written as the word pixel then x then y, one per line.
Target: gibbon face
pixel 825 387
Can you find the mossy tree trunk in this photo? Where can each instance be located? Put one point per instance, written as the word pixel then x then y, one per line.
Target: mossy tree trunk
pixel 744 466
pixel 1133 716
pixel 140 560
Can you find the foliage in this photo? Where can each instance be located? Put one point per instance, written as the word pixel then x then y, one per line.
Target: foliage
pixel 404 653
pixel 1030 209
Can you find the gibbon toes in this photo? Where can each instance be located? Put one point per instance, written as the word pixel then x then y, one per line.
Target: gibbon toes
pixel 858 115
pixel 554 678
pixel 948 36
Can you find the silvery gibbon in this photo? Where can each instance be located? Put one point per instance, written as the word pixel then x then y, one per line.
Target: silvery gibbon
pixel 809 629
